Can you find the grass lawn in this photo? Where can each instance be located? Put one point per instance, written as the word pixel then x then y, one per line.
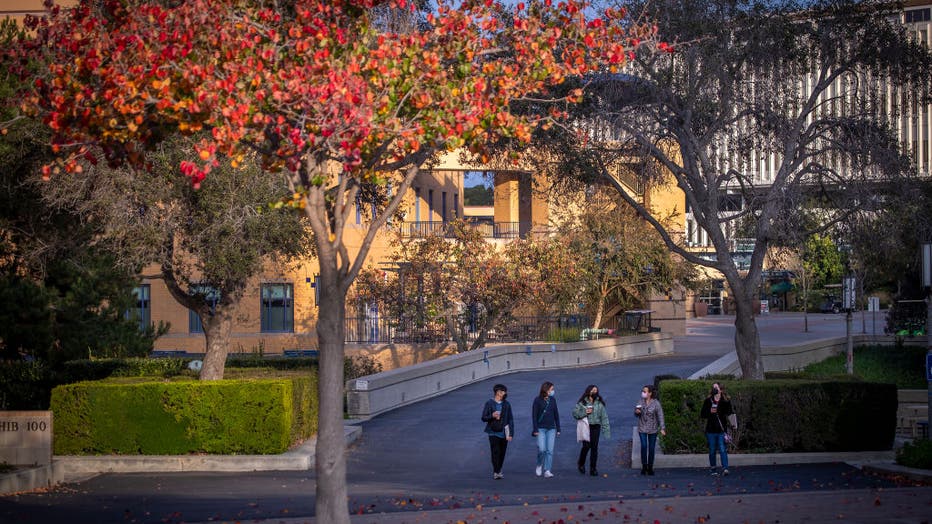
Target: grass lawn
pixel 900 365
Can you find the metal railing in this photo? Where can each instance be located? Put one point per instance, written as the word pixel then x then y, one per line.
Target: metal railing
pixel 487 229
pixel 363 330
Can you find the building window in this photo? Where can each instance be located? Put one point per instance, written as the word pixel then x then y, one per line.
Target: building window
pixel 456 205
pixel 316 286
pixel 358 212
pixel 212 296
pixel 918 15
pixel 443 206
pixel 277 308
pixel 417 204
pixel 430 205
pixel 143 310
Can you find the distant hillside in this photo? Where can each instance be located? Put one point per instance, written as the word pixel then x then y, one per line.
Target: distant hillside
pixel 478 196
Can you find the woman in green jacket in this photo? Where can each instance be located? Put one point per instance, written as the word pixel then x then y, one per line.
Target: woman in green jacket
pixel 591 409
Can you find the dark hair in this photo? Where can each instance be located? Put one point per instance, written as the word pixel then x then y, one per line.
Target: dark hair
pixel 585 395
pixel 652 389
pixel 721 390
pixel 499 387
pixel 545 389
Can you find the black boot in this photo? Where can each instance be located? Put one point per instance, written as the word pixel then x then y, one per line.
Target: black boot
pixel 594 472
pixel 643 470
pixel 650 470
pixel 582 468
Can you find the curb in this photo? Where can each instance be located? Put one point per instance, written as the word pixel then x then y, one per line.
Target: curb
pixel 756 459
pixel 917 475
pixel 858 505
pixel 71 468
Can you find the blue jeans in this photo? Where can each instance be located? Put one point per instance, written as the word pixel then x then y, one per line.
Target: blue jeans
pixel 546 438
pixel 648 443
pixel 717 443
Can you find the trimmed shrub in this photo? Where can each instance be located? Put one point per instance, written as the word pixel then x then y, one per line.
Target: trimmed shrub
pixel 917 454
pixel 284 364
pixel 360 366
pixel 169 418
pixel 81 370
pixel 785 415
pixel 24 385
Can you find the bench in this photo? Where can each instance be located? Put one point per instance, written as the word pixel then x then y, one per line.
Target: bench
pixel 171 353
pixel 296 353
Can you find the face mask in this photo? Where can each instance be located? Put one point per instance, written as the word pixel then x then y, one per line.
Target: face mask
pixel 504 396
pixel 551 392
pixel 715 390
pixel 643 394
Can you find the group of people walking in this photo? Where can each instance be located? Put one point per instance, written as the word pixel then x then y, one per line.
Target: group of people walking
pixel 592 425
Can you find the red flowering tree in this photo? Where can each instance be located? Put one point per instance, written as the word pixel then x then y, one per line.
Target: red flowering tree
pixel 316 88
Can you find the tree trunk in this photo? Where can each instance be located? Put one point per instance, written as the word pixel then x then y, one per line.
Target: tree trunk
pixel 805 310
pixel 217 329
pixel 331 447
pixel 599 310
pixel 747 338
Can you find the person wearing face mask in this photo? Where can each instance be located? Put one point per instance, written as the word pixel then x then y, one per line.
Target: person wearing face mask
pixel 500 427
pixel 650 421
pixel 546 419
pixel 591 408
pixel 716 409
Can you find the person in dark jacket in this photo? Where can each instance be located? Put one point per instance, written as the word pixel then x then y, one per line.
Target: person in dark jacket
pixel 716 409
pixel 546 419
pixel 499 425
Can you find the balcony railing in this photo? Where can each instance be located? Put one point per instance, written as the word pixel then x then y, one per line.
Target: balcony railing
pixel 488 229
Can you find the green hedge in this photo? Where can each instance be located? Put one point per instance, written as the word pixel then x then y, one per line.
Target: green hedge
pixel 170 418
pixel 80 370
pixel 917 454
pixel 24 385
pixel 785 415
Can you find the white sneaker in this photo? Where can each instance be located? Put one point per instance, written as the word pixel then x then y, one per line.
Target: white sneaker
pixel 538 470
pixel 548 474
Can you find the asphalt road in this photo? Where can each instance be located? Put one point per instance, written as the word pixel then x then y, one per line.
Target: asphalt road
pixel 433 455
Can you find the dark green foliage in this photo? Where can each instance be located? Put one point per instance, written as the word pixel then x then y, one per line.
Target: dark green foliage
pixel 28 385
pixel 917 454
pixel 786 415
pixel 660 378
pixel 81 370
pixel 480 195
pixel 360 366
pixel 272 363
pixel 223 416
pixel 24 385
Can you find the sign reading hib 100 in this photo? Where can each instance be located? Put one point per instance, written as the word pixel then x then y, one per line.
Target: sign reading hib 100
pixel 26 437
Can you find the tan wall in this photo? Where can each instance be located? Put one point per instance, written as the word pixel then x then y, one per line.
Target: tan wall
pixel 394 356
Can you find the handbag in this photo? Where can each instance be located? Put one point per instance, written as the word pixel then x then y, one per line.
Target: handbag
pixel 582 430
pixel 728 439
pixel 733 421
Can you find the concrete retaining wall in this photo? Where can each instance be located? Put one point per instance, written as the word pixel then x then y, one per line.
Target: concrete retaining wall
pixel 701 460
pixel 789 358
pixel 29 479
pixel 374 394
